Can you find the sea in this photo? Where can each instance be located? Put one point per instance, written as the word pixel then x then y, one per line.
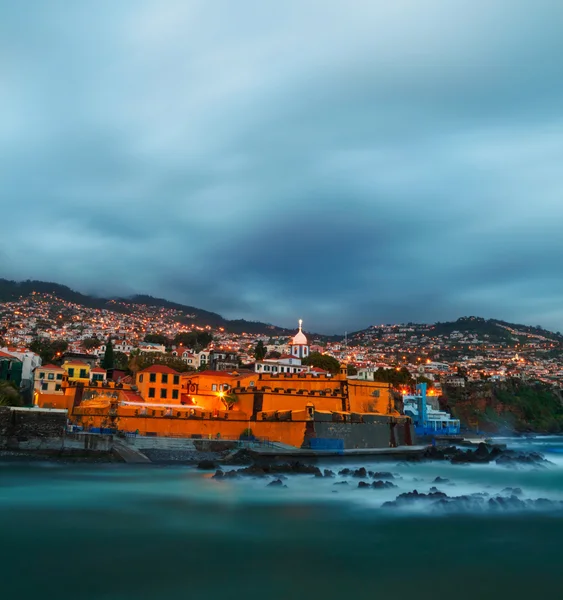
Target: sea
pixel 112 531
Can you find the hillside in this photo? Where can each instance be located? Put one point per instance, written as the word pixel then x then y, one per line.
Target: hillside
pixel 13 290
pixel 493 330
pixel 506 407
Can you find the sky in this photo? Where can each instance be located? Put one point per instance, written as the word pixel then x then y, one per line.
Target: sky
pixel 348 163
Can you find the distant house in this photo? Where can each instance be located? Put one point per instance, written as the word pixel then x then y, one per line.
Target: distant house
pixel 10 368
pixel 455 381
pixel 48 379
pixel 150 347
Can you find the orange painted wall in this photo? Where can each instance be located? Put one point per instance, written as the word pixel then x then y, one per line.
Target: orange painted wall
pixel 162 382
pixel 362 400
pixel 65 400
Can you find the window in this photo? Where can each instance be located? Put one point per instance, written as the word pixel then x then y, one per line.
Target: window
pixel 152 377
pixel 163 392
pixel 175 394
pixel 41 375
pixel 164 378
pixel 151 392
pixel 58 387
pixel 59 376
pixel 97 377
pixel 51 376
pixel 44 386
pixel 214 387
pixel 140 379
pixel 83 374
pixel 71 372
pixel 177 378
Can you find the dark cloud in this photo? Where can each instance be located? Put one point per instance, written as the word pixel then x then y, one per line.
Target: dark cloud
pixel 347 163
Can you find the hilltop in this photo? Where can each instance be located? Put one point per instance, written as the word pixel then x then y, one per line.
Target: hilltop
pixel 14 290
pixel 492 330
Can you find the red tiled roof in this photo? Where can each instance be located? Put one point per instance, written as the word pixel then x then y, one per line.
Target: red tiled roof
pixel 318 370
pixel 98 370
pixel 219 373
pixel 6 355
pixel 132 396
pixel 51 367
pixel 159 369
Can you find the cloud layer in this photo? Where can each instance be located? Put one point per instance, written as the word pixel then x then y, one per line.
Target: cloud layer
pixel 345 162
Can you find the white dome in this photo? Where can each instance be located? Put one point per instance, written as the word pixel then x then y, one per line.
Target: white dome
pixel 299 339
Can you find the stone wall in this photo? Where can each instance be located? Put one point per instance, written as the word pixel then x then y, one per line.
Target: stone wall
pixel 20 425
pixel 356 435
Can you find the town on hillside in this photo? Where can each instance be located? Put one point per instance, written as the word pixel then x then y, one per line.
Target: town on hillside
pixel 94 345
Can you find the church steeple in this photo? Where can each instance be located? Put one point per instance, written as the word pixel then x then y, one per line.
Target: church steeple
pixel 299 344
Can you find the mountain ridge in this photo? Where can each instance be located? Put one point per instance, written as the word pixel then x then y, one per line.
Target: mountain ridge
pixel 500 329
pixel 11 290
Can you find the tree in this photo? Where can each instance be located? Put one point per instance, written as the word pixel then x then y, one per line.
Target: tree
pixel 322 361
pixel 260 351
pixel 48 350
pixel 351 370
pixel 92 342
pixel 229 400
pixel 9 394
pixel 120 360
pixel 108 360
pixel 396 377
pixel 273 354
pixel 197 340
pixel 157 338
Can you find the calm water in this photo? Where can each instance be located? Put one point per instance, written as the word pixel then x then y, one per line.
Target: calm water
pixel 117 532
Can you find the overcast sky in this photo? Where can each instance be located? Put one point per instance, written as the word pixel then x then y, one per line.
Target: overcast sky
pixel 350 162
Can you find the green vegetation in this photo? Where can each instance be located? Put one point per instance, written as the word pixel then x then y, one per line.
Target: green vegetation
pixel 49 351
pixel 229 400
pixel 196 340
pixel 260 350
pixel 9 394
pixel 108 360
pixel 91 343
pixel 157 338
pixel 538 406
pixel 322 361
pixel 512 405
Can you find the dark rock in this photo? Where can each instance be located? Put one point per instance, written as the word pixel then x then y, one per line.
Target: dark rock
pixel 434 489
pixel 295 468
pixel 379 485
pixel 512 457
pixel 382 475
pixel 206 465
pixel 240 457
pixel 340 483
pixel 512 491
pixel 440 480
pixel 361 472
pixel 219 474
pixel 276 483
pixel 363 484
pixel 328 473
pixel 345 472
pixel 482 452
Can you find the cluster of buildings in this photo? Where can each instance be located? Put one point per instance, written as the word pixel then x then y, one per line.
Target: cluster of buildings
pixel 290 403
pixel 444 356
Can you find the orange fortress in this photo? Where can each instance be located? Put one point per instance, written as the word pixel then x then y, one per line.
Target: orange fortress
pixel 305 409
